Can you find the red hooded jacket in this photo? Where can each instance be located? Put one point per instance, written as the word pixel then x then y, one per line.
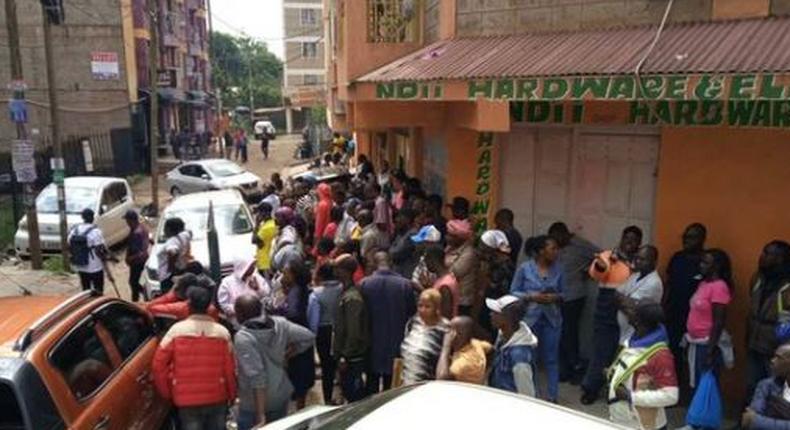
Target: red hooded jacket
pixel 323 209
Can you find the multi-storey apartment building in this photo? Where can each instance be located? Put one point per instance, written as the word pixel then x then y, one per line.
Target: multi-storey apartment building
pixel 184 71
pixel 304 68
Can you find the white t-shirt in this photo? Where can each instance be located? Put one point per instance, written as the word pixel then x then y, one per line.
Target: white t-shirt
pixel 649 289
pixel 176 245
pixel 95 239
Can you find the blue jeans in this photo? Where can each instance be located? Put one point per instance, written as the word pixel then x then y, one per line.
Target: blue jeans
pixel 351 382
pixel 210 417
pixel 246 419
pixel 548 354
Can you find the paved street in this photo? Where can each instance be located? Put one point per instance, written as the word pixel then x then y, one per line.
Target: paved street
pixel 15 275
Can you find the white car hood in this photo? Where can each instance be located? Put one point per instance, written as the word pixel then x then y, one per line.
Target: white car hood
pixel 244 178
pixel 231 249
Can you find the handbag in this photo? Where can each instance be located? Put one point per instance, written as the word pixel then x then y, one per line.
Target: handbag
pixel 706 410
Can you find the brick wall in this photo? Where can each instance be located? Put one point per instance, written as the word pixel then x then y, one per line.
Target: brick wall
pixel 91 25
pixel 492 17
pixel 431 20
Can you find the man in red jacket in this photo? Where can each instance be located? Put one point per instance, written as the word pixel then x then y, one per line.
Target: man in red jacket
pixel 194 366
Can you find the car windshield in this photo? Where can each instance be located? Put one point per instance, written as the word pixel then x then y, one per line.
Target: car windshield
pixel 347 416
pixel 224 169
pixel 229 220
pixel 77 199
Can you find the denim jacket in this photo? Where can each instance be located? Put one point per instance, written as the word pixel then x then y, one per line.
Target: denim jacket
pixel 512 369
pixel 527 281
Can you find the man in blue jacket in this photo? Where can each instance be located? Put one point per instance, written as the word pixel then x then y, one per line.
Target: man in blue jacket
pixel 512 366
pixel 770 407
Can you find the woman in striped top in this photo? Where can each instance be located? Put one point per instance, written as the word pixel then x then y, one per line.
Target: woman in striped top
pixel 422 342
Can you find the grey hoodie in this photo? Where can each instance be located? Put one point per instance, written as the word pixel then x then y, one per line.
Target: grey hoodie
pixel 260 346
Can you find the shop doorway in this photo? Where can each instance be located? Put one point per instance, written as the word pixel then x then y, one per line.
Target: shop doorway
pixel 597 181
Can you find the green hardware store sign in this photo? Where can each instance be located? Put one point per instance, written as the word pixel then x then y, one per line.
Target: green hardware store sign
pixel 758 100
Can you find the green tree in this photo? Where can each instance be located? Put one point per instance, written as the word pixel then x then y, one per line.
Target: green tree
pixel 243 65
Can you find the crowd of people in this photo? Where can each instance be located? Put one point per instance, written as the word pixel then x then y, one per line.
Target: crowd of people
pixel 368 278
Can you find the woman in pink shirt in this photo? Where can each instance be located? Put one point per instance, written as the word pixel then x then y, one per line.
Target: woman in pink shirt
pixel 707 313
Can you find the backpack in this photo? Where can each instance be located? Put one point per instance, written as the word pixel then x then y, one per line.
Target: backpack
pixel 79 250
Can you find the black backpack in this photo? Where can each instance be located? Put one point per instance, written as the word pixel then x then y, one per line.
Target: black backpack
pixel 79 250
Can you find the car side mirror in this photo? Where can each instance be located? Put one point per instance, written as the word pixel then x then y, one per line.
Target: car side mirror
pixel 205 177
pixel 103 209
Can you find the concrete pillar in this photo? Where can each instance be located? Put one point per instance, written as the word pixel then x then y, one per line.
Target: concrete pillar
pixel 289 120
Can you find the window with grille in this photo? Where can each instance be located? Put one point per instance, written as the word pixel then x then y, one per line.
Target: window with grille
pixel 307 17
pixel 309 49
pixel 311 79
pixel 393 21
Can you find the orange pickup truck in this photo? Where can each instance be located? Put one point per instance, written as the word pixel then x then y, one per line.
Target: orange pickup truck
pixel 81 363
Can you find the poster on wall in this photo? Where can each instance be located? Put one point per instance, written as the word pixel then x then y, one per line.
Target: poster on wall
pixel 104 66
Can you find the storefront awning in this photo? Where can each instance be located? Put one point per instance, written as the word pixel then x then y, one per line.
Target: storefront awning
pixel 725 47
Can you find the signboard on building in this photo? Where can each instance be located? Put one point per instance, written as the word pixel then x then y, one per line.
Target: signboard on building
pixel 307 97
pixel 23 160
pixel 731 113
pixel 481 208
pixel 104 66
pixel 625 87
pixel 166 78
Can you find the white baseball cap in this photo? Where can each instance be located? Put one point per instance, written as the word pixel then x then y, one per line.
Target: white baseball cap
pixel 498 305
pixel 496 239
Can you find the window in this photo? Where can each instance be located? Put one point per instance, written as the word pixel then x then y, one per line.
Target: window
pixel 393 21
pixel 311 79
pixel 128 327
pixel 309 49
pixel 307 17
pixel 113 196
pixel 82 360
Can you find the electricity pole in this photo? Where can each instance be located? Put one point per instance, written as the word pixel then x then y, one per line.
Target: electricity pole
pixel 58 165
pixel 17 75
pixel 153 78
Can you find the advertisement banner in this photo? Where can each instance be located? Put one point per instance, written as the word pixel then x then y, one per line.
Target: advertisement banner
pixel 104 66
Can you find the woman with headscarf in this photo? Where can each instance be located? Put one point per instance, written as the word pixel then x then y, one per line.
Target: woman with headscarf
pixel 244 280
pixel 462 261
pixel 322 209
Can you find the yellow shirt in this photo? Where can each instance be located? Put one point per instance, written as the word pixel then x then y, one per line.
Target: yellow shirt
pixel 468 364
pixel 266 233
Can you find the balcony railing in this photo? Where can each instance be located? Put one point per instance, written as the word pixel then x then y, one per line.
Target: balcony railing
pixel 393 21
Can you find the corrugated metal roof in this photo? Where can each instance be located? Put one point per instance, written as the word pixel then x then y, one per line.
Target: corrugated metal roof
pixel 758 45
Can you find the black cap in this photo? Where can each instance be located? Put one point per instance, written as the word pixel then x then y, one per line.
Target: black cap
pixel 131 214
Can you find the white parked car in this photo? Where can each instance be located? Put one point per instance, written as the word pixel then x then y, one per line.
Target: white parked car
pixel 210 175
pixel 109 198
pixel 265 127
pixel 443 405
pixel 233 221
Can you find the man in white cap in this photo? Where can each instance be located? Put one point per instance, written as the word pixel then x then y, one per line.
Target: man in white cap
pixel 512 368
pixel 496 270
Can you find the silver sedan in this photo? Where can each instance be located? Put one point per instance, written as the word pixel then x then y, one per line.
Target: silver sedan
pixel 210 175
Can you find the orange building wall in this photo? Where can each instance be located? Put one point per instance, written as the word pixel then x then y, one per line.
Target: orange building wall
pixel 736 182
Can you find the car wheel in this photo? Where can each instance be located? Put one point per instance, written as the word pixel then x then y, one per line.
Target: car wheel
pixel 175 191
